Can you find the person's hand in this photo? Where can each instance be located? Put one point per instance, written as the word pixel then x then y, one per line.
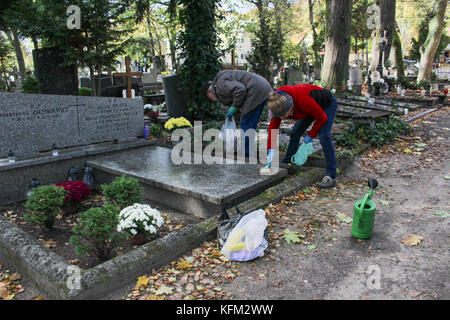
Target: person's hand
pixel 270 155
pixel 308 139
pixel 231 112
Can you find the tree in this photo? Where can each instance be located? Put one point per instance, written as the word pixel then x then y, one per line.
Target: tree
pixel 397 53
pixel 5 57
pixel 385 28
pixel 429 48
pixel 198 43
pixel 337 48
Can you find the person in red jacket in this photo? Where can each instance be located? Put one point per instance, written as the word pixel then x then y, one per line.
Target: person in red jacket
pixel 306 104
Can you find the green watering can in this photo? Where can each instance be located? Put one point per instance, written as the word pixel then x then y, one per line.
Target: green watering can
pixel 364 214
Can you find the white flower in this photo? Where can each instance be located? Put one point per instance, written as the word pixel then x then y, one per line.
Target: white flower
pixel 139 216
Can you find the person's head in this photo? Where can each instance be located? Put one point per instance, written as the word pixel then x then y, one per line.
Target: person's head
pixel 208 92
pixel 281 105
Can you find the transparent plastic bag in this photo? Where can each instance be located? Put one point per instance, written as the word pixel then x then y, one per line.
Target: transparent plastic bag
pixel 247 240
pixel 229 135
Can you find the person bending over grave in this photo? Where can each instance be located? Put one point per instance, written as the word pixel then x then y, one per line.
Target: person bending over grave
pixel 306 104
pixel 243 91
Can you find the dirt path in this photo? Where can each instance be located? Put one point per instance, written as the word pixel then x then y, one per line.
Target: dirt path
pixel 414 189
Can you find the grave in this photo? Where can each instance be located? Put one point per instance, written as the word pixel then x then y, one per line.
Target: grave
pixel 80 127
pixel 175 100
pixel 203 190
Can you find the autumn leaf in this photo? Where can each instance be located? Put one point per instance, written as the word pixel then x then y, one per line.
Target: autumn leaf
pixel 153 297
pixel 15 276
pixel 344 218
pixel 413 240
pixel 407 150
pixel 183 265
pixel 142 281
pixel 292 236
pixel 384 203
pixel 441 213
pixel 163 290
pixel 446 177
pixel 311 247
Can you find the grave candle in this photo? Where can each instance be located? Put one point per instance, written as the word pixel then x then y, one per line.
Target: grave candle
pixel 55 151
pixel 11 157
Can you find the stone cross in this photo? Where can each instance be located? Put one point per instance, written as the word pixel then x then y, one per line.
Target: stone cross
pixel 128 74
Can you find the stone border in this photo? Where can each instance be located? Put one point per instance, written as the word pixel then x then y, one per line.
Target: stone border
pixel 50 272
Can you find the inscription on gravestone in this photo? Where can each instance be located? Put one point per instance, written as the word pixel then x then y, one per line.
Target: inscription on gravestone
pixel 33 123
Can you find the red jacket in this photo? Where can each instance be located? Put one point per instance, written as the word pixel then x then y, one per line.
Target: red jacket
pixel 309 101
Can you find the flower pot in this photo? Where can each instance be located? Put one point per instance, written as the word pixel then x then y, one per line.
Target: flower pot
pixel 139 239
pixel 377 91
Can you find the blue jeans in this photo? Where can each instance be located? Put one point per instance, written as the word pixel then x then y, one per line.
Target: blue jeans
pixel 324 137
pixel 250 121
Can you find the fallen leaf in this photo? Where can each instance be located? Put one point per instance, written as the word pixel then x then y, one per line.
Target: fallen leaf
pixel 183 265
pixel 292 236
pixel 384 203
pixel 142 281
pixel 153 297
pixel 38 298
pixel 15 276
pixel 413 240
pixel 344 218
pixel 163 290
pixel 311 247
pixel 441 213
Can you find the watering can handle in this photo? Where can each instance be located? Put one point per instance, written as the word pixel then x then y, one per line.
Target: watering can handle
pixel 368 196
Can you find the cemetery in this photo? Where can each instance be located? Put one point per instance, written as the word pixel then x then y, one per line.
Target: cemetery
pixel 94 205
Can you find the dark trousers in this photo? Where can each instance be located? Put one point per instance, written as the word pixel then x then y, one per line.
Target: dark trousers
pixel 250 121
pixel 324 136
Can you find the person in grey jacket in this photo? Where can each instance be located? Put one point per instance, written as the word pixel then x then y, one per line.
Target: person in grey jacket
pixel 240 90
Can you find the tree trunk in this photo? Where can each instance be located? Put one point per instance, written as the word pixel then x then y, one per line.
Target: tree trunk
pixel 387 23
pixel 35 43
pixel 429 48
pixel 397 54
pixel 315 45
pixel 13 37
pixel 337 48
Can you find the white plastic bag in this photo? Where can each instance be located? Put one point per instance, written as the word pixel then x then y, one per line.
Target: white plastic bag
pixel 229 135
pixel 246 241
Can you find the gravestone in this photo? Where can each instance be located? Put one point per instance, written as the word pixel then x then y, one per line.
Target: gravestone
pixel 355 79
pixel 199 189
pixel 150 77
pixel 292 76
pixel 53 77
pixel 31 123
pixel 175 100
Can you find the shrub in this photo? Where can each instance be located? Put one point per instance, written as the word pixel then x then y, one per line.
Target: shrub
pixel 43 205
pixel 139 219
pixel 123 192
pixel 83 91
pixel 31 85
pixel 77 192
pixel 155 130
pixel 95 232
pixel 382 133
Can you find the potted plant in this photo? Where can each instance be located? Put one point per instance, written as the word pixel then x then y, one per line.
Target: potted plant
pixel 377 85
pixel 77 191
pixel 139 222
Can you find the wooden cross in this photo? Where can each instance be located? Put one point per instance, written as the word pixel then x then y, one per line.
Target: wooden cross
pixel 128 74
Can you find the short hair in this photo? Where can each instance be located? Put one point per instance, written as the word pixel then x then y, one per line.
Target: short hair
pixel 279 103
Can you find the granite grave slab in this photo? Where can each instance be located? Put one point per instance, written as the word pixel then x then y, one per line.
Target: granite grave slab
pixel 33 123
pixel 203 190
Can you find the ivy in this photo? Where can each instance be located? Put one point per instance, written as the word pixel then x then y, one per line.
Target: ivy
pixel 198 44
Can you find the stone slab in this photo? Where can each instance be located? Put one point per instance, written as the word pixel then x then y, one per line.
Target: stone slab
pixel 32 123
pixel 196 189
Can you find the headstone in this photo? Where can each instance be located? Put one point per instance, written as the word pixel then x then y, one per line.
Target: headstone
pixel 175 100
pixel 150 77
pixel 53 77
pixel 31 123
pixel 293 75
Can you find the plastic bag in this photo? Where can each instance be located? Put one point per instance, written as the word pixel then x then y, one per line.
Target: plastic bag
pixel 246 236
pixel 229 135
pixel 302 154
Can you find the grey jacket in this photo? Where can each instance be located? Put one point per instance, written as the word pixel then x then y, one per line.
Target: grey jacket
pixel 241 89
